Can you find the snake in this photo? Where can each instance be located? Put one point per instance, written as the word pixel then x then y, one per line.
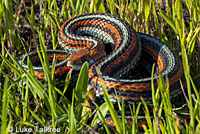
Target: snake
pixel 86 37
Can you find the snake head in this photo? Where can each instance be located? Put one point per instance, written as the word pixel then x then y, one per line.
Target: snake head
pixel 77 58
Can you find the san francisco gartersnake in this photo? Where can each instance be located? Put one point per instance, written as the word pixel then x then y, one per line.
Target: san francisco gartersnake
pixel 126 47
pixel 85 36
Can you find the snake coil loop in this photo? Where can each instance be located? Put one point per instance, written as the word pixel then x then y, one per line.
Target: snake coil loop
pixel 126 45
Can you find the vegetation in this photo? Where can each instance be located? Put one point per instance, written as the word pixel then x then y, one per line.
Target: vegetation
pixel 24 25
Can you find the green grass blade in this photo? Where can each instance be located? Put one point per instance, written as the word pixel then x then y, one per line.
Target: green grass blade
pixel 37 118
pixel 100 114
pixel 155 103
pixel 9 21
pixel 98 4
pixel 82 83
pixel 148 117
pixel 137 111
pixel 77 7
pixel 192 42
pixel 169 21
pixel 187 74
pixel 72 120
pixel 82 8
pixel 147 12
pixel 67 80
pixel 124 122
pixel 29 124
pixel 54 36
pixel 49 77
pixel 4 107
pixel 92 4
pixel 110 105
pixel 102 8
pixel 166 103
pixel 72 4
pixel 195 90
pixel 63 8
pixel 25 104
pixel 134 119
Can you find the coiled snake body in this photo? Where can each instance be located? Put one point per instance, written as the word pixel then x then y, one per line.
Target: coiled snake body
pixel 87 37
pixel 126 47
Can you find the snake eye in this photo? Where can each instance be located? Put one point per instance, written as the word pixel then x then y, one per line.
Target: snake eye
pixel 83 59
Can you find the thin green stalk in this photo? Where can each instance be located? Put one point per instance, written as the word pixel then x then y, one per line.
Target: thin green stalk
pixel 9 23
pixel 5 107
pixel 187 74
pixel 72 120
pixel 147 13
pixel 110 105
